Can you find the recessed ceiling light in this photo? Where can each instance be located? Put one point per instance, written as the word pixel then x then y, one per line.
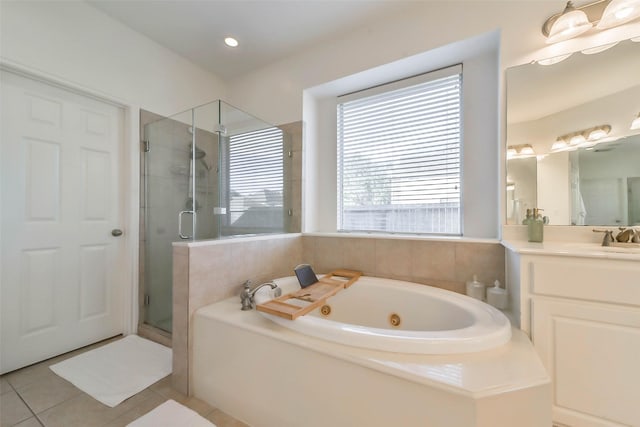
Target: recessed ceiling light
pixel 231 42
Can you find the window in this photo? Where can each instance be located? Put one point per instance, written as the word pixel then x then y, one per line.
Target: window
pixel 399 156
pixel 256 179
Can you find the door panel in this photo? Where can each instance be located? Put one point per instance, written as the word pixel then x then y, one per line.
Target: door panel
pixel 59 201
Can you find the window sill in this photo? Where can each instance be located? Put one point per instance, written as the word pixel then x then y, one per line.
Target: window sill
pixel 398 236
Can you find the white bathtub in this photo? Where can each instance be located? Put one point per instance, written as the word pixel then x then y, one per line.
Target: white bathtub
pixel 432 320
pixel 271 376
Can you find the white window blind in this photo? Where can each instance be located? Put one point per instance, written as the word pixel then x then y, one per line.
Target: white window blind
pixel 399 156
pixel 256 180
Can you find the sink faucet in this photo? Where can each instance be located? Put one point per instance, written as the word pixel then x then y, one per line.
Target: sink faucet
pixel 247 294
pixel 627 234
pixel 608 236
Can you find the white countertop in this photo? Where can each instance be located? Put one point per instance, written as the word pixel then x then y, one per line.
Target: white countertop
pixel 574 249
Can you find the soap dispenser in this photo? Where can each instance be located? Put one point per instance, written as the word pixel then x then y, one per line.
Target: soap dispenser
pixel 535 226
pixel 497 297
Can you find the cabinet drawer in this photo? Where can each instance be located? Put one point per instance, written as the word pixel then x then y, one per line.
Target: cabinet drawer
pixel 611 281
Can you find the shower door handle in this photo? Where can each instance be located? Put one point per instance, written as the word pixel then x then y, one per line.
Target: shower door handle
pixel 182 236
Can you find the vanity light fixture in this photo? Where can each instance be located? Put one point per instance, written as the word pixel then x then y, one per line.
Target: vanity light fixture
pixel 598 132
pixel 581 139
pixel 635 124
pixel 559 145
pixel 520 151
pixel 231 42
pixel 570 23
pixel 598 49
pixel 619 12
pixel 574 21
pixel 577 139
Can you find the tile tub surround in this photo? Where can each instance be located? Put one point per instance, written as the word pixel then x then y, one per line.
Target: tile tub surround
pixel 210 271
pixel 444 263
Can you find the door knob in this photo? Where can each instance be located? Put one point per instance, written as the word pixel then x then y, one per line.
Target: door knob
pixel 116 232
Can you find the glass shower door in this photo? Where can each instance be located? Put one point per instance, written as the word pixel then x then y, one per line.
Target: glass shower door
pixel 168 209
pixel 210 172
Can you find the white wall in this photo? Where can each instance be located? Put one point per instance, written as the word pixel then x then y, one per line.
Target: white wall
pixel 76 45
pixel 274 92
pixel 481 137
pixel 75 42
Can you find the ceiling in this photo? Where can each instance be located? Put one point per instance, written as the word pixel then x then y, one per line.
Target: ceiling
pixel 268 30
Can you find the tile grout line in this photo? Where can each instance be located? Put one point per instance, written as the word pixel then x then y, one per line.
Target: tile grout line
pixel 25 404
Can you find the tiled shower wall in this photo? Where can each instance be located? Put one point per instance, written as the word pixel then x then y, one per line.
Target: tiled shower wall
pixel 206 272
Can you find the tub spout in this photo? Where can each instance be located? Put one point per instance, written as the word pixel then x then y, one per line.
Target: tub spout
pixel 247 294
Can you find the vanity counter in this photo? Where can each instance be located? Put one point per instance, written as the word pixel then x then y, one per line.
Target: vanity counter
pixel 573 249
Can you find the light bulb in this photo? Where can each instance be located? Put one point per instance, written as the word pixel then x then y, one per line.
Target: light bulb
pixel 231 42
pixel 527 150
pixel 560 144
pixel 619 12
pixel 570 24
pixel 597 134
pixel 577 139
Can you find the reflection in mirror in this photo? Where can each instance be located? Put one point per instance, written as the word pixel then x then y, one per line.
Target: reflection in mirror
pixel 576 115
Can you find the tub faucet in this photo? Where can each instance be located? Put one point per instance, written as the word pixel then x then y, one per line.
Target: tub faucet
pixel 247 294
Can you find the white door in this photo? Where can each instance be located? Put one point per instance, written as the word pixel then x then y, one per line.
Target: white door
pixel 60 200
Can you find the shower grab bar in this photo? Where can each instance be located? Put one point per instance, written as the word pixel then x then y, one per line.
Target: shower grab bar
pixel 182 236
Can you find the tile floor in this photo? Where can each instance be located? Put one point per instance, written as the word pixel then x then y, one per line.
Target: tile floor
pixel 34 396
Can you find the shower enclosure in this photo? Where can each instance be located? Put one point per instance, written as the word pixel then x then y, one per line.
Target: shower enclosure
pixel 208 173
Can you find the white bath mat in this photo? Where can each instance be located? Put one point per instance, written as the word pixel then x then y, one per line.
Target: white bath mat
pixel 171 414
pixel 117 371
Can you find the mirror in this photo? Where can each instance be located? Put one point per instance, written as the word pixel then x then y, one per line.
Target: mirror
pixel 571 146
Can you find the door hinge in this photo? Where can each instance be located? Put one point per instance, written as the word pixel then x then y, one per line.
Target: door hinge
pixel 146 299
pixel 146 146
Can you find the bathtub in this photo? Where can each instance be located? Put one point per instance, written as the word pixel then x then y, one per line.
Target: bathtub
pixel 269 375
pixel 392 315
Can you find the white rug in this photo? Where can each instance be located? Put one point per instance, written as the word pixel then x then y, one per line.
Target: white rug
pixel 171 414
pixel 117 371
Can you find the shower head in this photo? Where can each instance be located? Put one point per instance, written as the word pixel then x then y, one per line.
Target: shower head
pixel 200 153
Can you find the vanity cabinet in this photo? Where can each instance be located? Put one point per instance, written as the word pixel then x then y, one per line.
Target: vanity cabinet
pixel 583 316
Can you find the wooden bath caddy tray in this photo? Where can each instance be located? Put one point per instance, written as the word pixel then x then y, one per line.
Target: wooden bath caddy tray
pixel 315 295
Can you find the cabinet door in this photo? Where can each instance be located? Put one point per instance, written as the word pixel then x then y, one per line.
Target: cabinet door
pixel 592 353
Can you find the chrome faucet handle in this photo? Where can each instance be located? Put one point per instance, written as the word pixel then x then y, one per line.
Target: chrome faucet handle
pixel 625 234
pixel 246 298
pixel 608 239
